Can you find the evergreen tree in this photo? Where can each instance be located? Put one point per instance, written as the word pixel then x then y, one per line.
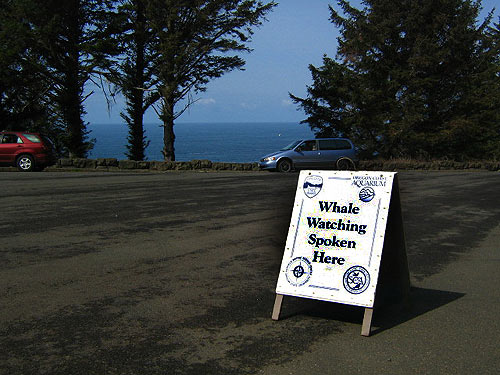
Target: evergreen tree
pixel 195 39
pixel 411 79
pixel 71 38
pixel 23 102
pixel 133 73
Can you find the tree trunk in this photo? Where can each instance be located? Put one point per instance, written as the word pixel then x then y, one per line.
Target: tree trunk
pixel 136 145
pixel 72 109
pixel 167 117
pixel 135 95
pixel 70 95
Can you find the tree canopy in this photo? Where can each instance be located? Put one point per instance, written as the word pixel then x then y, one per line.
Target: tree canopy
pixel 133 71
pixel 55 48
pixel 23 86
pixel 416 79
pixel 156 52
pixel 198 40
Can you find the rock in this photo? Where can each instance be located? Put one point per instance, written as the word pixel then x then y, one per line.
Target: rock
pixel 65 162
pixel 127 164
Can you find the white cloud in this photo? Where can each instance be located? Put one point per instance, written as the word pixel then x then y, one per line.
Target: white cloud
pixel 206 101
pixel 286 102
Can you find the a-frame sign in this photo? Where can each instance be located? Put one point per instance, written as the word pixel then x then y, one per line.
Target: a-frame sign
pixel 346 241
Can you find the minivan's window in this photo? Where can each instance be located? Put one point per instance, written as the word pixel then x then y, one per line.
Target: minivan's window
pixel 291 146
pixel 334 144
pixel 308 146
pixel 32 138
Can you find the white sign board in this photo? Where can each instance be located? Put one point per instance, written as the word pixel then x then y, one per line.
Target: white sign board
pixel 336 236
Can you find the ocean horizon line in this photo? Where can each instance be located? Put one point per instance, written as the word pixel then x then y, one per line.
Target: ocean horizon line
pixel 204 122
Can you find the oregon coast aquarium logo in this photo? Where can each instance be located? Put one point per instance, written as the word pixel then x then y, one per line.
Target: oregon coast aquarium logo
pixel 366 194
pixel 312 186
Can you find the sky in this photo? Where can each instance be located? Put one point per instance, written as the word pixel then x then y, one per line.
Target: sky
pixel 297 33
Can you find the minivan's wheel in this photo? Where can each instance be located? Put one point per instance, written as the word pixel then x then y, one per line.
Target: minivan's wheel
pixel 25 163
pixel 285 166
pixel 345 164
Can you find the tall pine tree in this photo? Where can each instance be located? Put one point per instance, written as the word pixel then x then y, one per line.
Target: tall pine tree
pixel 23 87
pixel 71 39
pixel 198 40
pixel 133 72
pixel 410 79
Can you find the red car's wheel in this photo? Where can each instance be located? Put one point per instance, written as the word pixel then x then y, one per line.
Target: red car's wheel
pixel 25 163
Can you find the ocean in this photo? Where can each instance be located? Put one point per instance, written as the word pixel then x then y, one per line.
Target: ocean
pixel 221 142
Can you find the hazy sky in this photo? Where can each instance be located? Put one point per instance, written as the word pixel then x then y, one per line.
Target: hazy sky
pixel 298 33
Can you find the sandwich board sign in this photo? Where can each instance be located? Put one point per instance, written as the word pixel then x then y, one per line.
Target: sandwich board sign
pixel 343 224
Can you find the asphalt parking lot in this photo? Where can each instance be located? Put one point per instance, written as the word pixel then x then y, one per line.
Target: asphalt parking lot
pixel 174 273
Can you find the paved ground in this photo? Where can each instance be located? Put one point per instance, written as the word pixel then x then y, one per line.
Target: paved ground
pixel 115 273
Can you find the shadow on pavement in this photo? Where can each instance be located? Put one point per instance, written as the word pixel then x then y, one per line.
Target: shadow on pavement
pixel 386 317
pixel 421 301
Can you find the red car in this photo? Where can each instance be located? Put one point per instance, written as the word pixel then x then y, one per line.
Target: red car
pixel 26 151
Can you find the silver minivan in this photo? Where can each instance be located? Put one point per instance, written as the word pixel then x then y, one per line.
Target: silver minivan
pixel 329 153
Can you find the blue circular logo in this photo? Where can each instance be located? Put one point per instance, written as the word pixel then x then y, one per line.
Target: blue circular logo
pixel 356 280
pixel 298 271
pixel 366 194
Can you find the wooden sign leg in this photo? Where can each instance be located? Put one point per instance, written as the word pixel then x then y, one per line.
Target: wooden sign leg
pixel 277 306
pixel 367 322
